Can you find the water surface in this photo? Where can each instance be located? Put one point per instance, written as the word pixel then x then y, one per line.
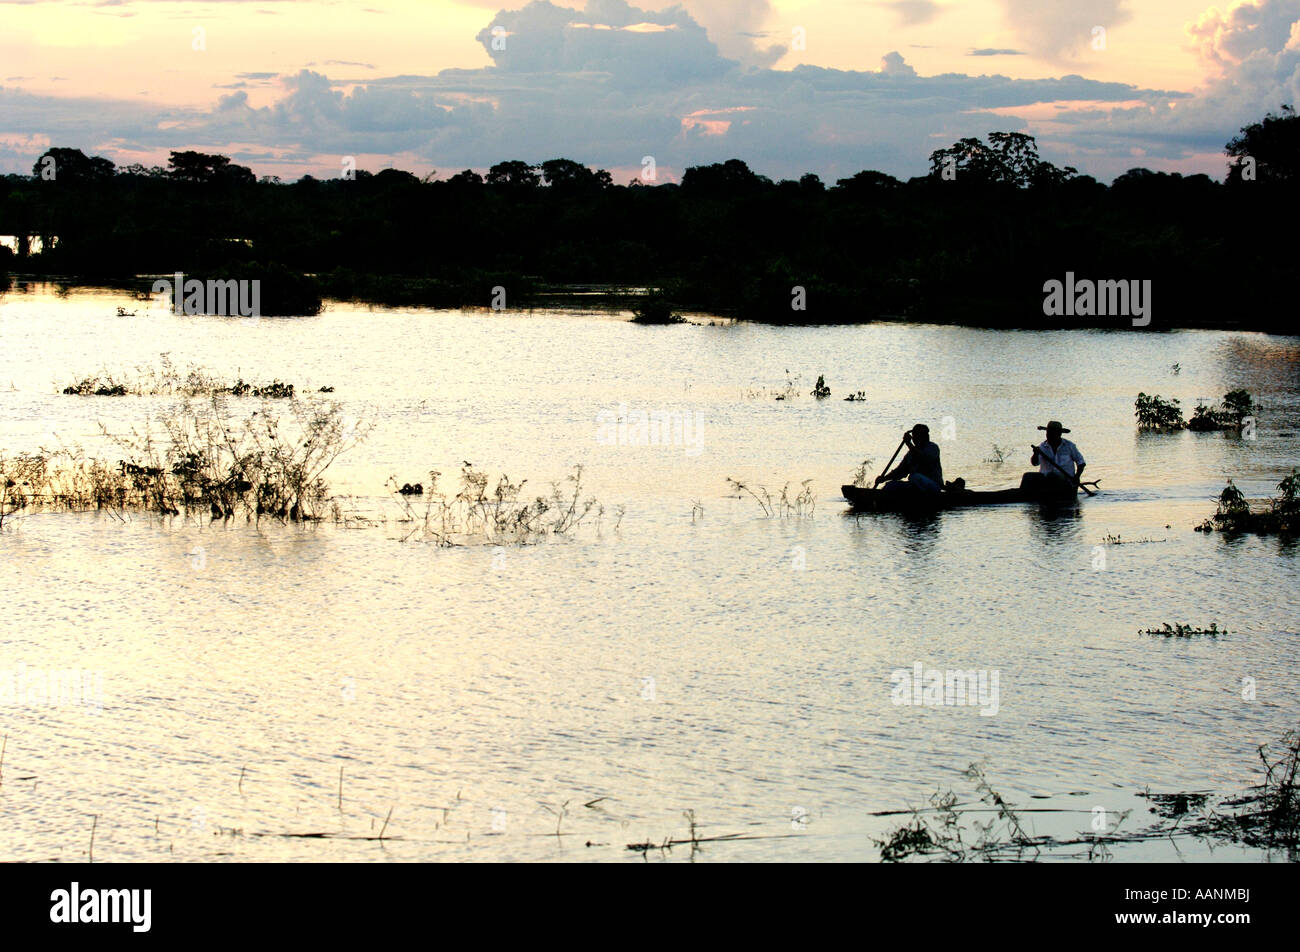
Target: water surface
pixel 697 657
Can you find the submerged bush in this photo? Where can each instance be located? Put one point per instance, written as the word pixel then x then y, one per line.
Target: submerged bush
pixel 1234 514
pixel 1230 414
pixel 264 465
pixel 655 308
pixel 1156 413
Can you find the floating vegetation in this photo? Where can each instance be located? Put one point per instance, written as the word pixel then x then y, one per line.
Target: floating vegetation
pixel 998 456
pixel 96 387
pixel 264 465
pixel 820 390
pixel 499 515
pixel 941 835
pixel 1266 817
pixel 1281 515
pixel 168 380
pixel 858 397
pixel 800 506
pixel 1120 540
pixel 1185 631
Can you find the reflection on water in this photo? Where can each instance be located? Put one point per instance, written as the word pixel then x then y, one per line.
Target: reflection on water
pixel 723 661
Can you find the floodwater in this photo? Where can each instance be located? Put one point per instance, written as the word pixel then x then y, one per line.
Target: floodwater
pixel 697 656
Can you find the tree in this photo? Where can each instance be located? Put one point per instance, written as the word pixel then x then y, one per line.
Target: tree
pixel 514 173
pixel 724 178
pixel 71 166
pixel 1009 158
pixel 1274 145
pixel 467 178
pixel 868 180
pixel 202 168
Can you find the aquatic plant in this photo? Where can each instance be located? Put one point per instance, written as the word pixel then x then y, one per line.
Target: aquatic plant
pixel 1180 630
pixel 802 505
pixel 1234 514
pixel 264 465
pixel 862 476
pixel 998 455
pixel 1230 414
pixel 499 515
pixel 940 833
pixel 168 380
pixel 1158 414
pixel 820 390
pixel 96 387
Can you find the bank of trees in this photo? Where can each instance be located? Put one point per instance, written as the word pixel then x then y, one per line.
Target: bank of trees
pixel 974 240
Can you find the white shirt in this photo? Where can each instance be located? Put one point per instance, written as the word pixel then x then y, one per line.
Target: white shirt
pixel 1065 455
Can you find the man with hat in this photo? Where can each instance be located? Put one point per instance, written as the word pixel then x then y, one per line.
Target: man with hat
pixel 1063 453
pixel 921 464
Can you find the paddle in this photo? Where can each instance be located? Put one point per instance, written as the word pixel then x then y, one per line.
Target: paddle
pixel 1074 479
pixel 892 458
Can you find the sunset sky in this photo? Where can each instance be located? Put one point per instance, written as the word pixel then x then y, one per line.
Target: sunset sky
pixel 829 86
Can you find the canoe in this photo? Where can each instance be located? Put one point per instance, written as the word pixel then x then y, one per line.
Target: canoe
pixel 910 500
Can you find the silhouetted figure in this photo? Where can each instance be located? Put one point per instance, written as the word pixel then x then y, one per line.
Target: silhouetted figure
pixel 920 466
pixel 1064 454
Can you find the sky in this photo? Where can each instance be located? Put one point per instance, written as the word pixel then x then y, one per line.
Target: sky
pixel 289 87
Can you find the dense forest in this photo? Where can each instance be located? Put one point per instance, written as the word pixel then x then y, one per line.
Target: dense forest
pixel 972 241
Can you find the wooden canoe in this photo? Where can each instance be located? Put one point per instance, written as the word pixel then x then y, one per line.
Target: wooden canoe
pixel 910 500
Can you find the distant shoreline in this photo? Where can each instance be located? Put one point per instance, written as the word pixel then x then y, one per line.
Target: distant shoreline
pixel 399 291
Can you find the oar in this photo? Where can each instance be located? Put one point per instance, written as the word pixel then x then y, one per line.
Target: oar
pixel 1074 479
pixel 894 457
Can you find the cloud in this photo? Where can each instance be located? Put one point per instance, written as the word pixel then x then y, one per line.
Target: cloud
pixel 1226 39
pixel 1061 29
pixel 994 52
pixel 914 12
pixel 609 36
pixel 607 85
pixel 892 64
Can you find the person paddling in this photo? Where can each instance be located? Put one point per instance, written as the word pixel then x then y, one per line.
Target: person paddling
pixel 1056 458
pixel 921 465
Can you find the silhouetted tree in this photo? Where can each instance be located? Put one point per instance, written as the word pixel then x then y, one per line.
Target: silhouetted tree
pixel 732 177
pixel 71 167
pixel 514 173
pixel 202 168
pixel 1009 158
pixel 1274 144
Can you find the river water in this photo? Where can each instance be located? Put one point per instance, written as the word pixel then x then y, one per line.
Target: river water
pixel 696 656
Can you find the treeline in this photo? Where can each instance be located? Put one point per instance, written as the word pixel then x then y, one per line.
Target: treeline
pixel 972 241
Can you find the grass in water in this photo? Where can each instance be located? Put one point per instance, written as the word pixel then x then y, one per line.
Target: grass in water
pixel 486 513
pixel 270 463
pixel 784 506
